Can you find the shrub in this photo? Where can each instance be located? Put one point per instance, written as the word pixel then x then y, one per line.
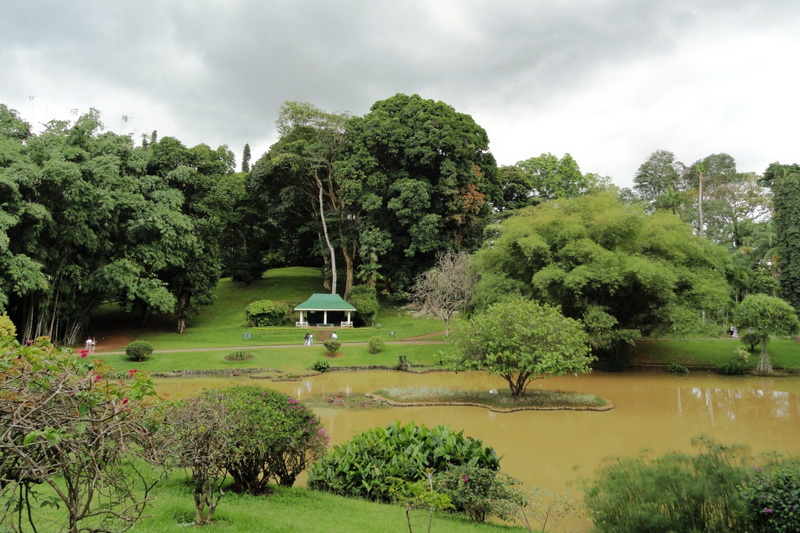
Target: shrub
pixel 368 465
pixel 267 313
pixel 272 437
pixel 480 492
pixel 7 328
pixel 676 492
pixel 139 351
pixel 402 363
pixel 735 367
pixel 750 339
pixel 84 437
pixel 375 344
pixel 365 299
pixel 321 366
pixel 332 346
pixel 239 355
pixel 676 368
pixel 773 499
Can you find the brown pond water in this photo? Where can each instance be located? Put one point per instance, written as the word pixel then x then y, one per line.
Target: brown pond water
pixel 659 412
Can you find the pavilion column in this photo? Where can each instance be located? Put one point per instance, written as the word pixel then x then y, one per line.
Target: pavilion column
pixel 301 317
pixel 325 317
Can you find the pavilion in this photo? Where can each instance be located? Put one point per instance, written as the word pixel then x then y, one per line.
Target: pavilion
pixel 325 303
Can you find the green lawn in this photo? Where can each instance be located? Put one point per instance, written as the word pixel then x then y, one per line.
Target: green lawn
pixel 785 353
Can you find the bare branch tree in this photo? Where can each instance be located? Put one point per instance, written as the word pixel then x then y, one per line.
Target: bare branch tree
pixel 447 287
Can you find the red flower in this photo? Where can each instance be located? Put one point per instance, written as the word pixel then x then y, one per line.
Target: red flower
pixel 132 372
pixel 124 402
pixel 84 353
pixel 97 377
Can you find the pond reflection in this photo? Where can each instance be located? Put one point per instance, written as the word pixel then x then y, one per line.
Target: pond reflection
pixel 551 449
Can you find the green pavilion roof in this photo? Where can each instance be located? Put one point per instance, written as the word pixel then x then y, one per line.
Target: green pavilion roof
pixel 325 302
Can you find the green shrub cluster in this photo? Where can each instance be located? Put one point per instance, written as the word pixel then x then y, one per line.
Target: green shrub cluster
pixel 675 492
pixel 773 499
pixel 272 437
pixel 480 492
pixel 267 313
pixel 365 299
pixel 368 465
pixel 375 344
pixel 321 366
pixel 676 368
pixel 332 346
pixel 734 367
pixel 139 351
pixel 7 328
pixel 239 355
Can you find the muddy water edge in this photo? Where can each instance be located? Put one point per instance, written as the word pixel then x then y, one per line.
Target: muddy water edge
pixel 658 412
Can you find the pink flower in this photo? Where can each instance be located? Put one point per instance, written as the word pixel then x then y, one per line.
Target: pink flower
pixel 124 402
pixel 292 401
pixel 465 478
pixel 767 510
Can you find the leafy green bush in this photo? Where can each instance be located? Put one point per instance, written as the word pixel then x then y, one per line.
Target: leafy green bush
pixel 365 299
pixel 332 346
pixel 375 344
pixel 676 492
pixel 735 367
pixel 480 492
pixel 750 339
pixel 676 368
pixel 7 328
pixel 267 313
pixel 321 366
pixel 271 437
pixel 367 465
pixel 402 363
pixel 139 351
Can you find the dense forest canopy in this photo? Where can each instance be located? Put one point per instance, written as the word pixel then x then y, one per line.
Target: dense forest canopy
pixel 89 217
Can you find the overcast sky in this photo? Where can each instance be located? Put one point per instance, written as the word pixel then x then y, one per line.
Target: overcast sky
pixel 606 81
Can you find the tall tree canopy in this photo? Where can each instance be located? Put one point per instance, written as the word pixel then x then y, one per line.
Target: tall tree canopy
pixel 618 270
pixel 785 183
pixel 417 178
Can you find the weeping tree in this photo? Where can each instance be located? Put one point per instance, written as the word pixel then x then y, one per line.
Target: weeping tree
pixel 765 315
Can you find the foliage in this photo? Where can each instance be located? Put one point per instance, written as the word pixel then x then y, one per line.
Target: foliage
pixel 675 492
pixel 332 346
pixel 547 508
pixel 751 339
pixel 419 178
pixel 447 287
pixel 773 499
pixel 676 368
pixel 551 177
pixel 403 364
pixel 522 340
pixel 267 313
pixel 420 495
pixel 734 367
pixel 365 466
pixel 7 328
pixel 271 436
pixel 365 299
pixel 785 182
pixel 139 351
pixel 321 366
pixel 65 425
pixel 375 344
pixel 765 315
pixel 480 492
pixel 202 445
pixel 621 272
pixel 239 355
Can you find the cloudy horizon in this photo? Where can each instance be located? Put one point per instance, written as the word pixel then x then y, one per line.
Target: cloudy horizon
pixel 607 81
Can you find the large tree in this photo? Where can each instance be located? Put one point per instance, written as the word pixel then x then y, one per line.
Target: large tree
pixel 522 340
pixel 417 178
pixel 785 183
pixel 620 271
pixel 446 288
pixel 661 174
pixel 551 177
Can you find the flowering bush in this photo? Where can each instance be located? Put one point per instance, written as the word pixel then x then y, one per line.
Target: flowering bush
pixel 773 499
pixel 86 441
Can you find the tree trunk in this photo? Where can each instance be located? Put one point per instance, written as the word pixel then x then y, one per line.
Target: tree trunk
pixel 348 267
pixel 764 361
pixel 327 237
